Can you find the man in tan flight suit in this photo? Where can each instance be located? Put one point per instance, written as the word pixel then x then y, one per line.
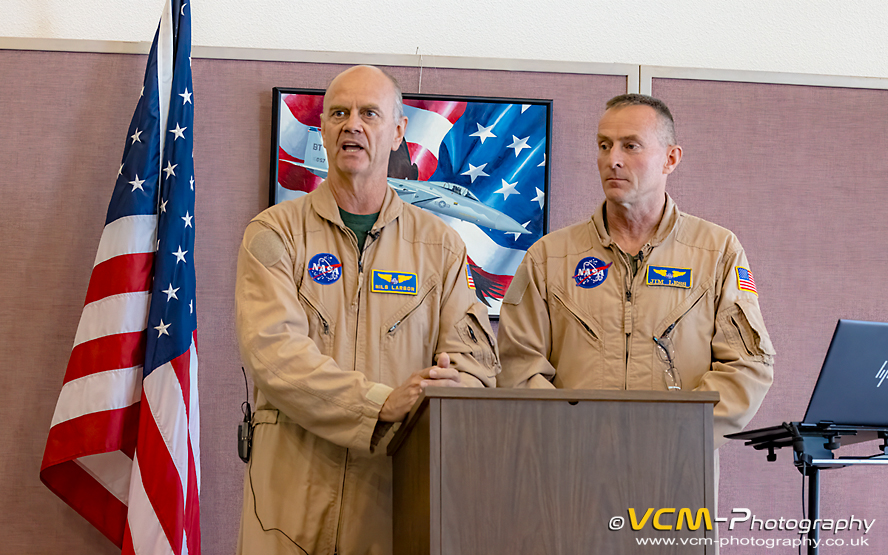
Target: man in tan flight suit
pixel 349 303
pixel 642 296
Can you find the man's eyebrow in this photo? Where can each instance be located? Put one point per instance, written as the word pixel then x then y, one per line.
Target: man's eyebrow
pixel 623 139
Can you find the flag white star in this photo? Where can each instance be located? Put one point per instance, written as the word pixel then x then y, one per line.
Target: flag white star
pixel 539 198
pixel 186 97
pixel 518 144
pixel 142 92
pixel 483 132
pixel 543 163
pixel 171 293
pixel 157 248
pixel 169 170
pixel 507 189
pixel 524 107
pixel 177 132
pixel 120 171
pixel 191 306
pixel 137 184
pixel 163 206
pixel 135 136
pixel 515 233
pixel 188 218
pixel 476 171
pixel 162 329
pixel 180 255
pixel 192 182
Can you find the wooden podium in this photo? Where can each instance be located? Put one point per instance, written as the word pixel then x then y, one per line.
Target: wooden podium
pixel 508 471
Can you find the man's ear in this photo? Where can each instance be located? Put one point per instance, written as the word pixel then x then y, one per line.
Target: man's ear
pixel 400 129
pixel 673 157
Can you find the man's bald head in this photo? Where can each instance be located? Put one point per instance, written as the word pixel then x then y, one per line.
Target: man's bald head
pixel 371 72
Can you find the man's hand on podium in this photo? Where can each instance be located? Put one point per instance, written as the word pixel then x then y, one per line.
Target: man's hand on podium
pixel 403 397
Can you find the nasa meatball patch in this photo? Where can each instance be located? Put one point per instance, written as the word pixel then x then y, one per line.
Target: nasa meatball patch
pixel 324 268
pixel 591 272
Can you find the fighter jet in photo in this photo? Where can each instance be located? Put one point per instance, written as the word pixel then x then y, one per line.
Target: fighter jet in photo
pixel 440 197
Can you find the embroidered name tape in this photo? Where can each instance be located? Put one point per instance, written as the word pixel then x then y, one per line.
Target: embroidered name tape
pixel 669 277
pixel 591 272
pixel 393 282
pixel 324 268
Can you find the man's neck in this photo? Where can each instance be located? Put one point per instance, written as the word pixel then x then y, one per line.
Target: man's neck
pixel 631 227
pixel 358 196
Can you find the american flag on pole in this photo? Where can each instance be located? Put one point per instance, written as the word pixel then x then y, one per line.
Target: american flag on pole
pixel 123 448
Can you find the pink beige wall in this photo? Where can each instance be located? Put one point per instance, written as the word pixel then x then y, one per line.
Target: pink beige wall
pixel 799 173
pixel 63 120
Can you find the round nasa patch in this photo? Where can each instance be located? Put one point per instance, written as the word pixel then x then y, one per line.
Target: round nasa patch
pixel 591 272
pixel 324 268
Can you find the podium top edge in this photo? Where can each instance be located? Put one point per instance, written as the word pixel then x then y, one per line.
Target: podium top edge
pixel 569 395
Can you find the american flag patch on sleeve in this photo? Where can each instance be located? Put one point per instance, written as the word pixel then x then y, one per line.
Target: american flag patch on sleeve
pixel 745 281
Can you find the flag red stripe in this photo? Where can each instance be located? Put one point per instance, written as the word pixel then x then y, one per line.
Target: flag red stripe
pixel 123 350
pixel 90 434
pixel 181 366
pixel 160 477
pixel 452 110
pixel 127 548
pixel 192 506
pixel 88 497
pixel 122 274
pixel 424 160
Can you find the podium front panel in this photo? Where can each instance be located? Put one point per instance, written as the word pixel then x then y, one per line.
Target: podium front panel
pixel 547 476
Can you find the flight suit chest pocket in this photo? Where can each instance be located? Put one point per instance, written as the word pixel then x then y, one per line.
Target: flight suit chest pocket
pixel 408 336
pixel 320 324
pixel 570 320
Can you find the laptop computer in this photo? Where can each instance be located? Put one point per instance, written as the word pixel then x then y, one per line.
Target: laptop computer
pixel 852 388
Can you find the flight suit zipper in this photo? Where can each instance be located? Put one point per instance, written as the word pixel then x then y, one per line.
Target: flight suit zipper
pixel 628 324
pixel 360 283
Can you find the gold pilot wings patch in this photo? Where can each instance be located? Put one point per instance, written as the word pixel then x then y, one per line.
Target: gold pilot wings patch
pixel 393 282
pixel 669 277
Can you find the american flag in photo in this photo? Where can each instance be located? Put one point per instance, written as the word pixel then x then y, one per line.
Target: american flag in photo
pixel 124 444
pixel 745 281
pixel 494 150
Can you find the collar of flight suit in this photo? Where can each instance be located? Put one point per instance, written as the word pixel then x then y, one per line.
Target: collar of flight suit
pixel 664 228
pixel 324 204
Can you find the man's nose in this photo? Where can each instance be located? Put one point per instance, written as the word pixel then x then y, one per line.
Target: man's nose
pixel 354 124
pixel 614 158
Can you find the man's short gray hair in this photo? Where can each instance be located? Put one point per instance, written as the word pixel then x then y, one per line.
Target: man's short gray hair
pixel 667 123
pixel 399 99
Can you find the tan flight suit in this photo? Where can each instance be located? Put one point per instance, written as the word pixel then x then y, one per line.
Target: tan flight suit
pixel 571 321
pixel 326 333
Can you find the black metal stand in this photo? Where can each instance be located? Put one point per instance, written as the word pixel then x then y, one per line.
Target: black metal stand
pixel 813 447
pixel 813 508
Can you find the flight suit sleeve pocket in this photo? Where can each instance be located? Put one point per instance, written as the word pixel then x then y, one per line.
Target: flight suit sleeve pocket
pixel 745 331
pixel 475 331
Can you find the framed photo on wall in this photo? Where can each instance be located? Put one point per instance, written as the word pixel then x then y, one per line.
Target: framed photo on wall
pixel 480 164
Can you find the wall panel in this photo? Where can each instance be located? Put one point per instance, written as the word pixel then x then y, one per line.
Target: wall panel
pixel 799 173
pixel 64 119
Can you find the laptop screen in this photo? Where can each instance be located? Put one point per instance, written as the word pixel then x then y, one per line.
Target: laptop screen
pixel 852 388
